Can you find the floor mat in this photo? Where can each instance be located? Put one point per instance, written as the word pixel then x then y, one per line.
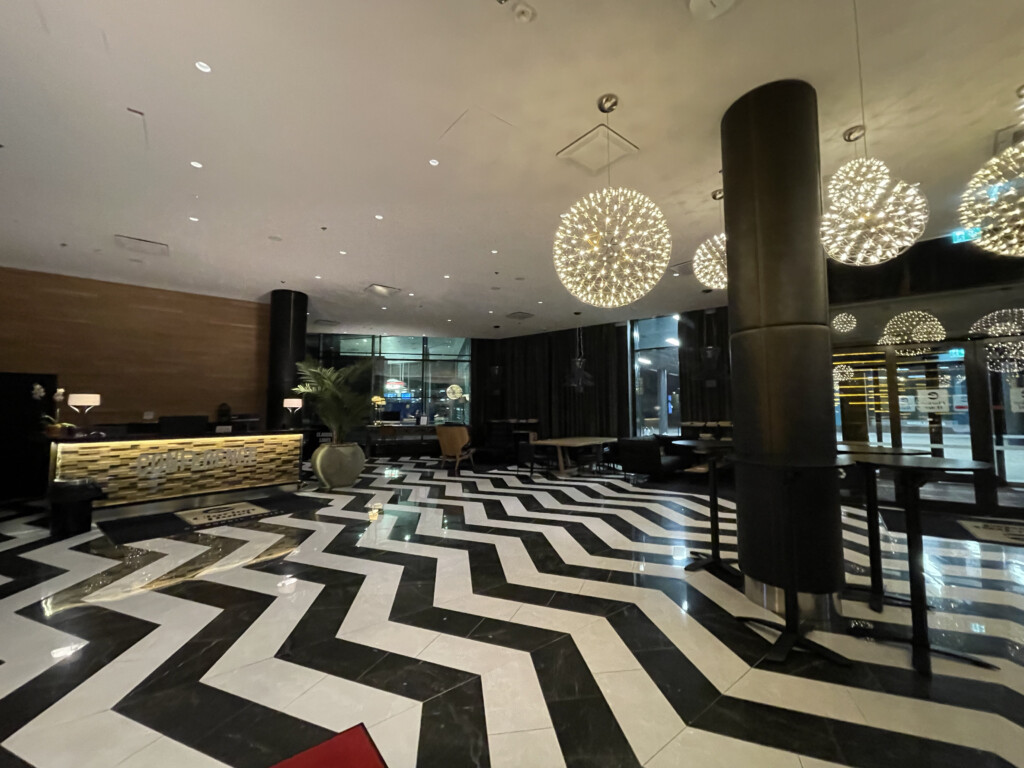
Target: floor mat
pixel 995 531
pixel 352 749
pixel 131 529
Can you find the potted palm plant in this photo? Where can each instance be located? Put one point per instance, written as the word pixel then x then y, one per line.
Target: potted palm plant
pixel 340 398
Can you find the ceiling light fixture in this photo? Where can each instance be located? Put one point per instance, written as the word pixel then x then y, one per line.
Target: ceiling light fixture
pixel 844 322
pixel 447 277
pixel 192 218
pixel 909 327
pixel 709 263
pixel 343 253
pixel 994 203
pixel 540 302
pixel 433 162
pixel 317 277
pixel 873 217
pixel 196 164
pixel 383 307
pixel 378 217
pixel 1004 355
pixel 412 294
pixel 493 251
pixel 842 372
pixel 614 245
pixel 202 66
pixel 490 311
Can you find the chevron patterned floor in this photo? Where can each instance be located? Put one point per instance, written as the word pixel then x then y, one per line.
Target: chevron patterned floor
pixel 490 619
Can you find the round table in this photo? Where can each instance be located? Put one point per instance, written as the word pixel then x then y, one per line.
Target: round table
pixel 714 450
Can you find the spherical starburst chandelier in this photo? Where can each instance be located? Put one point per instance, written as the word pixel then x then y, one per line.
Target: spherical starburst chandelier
pixel 709 263
pixel 842 372
pixel 910 327
pixel 1005 355
pixel 612 247
pixel 844 322
pixel 994 203
pixel 873 217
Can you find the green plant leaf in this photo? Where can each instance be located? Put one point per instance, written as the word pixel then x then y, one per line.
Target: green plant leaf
pixel 336 394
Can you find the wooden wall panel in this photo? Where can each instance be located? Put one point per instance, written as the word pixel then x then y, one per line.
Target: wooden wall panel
pixel 142 349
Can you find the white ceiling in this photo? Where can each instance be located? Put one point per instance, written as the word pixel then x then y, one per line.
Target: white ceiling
pixel 322 113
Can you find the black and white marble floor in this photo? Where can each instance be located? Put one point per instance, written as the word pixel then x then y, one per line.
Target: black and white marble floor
pixel 490 619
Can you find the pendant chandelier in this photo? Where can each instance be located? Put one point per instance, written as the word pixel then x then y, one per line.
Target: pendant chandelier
pixel 612 246
pixel 910 327
pixel 842 372
pixel 709 263
pixel 844 322
pixel 1003 355
pixel 873 217
pixel 994 203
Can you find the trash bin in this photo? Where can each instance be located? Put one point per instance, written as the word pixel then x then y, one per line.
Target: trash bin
pixel 71 506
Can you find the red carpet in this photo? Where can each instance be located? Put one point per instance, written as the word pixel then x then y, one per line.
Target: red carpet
pixel 349 749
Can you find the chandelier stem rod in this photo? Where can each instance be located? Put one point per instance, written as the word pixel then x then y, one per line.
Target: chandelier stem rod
pixel 860 76
pixel 608 148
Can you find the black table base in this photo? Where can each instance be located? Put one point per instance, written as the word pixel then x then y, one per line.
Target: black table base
pixel 920 653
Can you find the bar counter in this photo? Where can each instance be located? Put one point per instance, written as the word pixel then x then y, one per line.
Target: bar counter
pixel 141 469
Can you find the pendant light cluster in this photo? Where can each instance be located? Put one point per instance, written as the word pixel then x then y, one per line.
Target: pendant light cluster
pixel 844 322
pixel 873 217
pixel 612 246
pixel 994 203
pixel 912 327
pixel 709 263
pixel 1003 355
pixel 842 372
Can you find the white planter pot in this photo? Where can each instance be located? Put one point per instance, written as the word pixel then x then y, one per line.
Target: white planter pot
pixel 338 465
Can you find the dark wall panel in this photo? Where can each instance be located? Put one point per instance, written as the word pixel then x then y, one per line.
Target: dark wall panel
pixel 704 388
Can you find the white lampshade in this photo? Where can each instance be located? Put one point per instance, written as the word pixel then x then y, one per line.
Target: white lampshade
pixel 83 401
pixel 293 402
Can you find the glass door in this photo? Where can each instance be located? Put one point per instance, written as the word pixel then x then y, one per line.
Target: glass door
pixel 934 412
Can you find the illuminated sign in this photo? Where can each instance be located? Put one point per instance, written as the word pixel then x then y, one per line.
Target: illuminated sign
pixel 965 235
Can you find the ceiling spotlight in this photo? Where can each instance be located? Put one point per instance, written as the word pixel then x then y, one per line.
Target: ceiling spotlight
pixel 493 251
pixel 378 217
pixel 718 194
pixel 317 277
pixel 675 274
pixel 343 253
pixel 192 218
pixel 412 294
pixel 540 302
pixel 447 277
pixel 202 66
pixel 449 319
pixel 196 164
pixel 490 311
pixel 433 162
pixel 383 307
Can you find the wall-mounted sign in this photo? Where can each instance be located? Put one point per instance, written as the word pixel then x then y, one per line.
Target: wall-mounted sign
pixel 960 403
pixel 933 400
pixel 1017 399
pixel 908 403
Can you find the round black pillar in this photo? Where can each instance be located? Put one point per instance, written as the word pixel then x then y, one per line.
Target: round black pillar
pixel 787 495
pixel 287 347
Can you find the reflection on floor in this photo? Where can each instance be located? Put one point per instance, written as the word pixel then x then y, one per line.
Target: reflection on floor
pixel 491 619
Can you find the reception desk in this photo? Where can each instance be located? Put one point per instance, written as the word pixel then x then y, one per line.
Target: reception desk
pixel 142 469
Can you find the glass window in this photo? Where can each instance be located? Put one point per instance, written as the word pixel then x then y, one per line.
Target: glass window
pixel 443 349
pixel 656 376
pixel 447 387
pixel 656 332
pixel 402 346
pixel 401 383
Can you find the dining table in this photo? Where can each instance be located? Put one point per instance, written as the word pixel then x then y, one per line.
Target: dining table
pixel 560 443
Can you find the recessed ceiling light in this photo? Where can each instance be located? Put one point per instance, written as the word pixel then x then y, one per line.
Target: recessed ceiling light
pixel 196 164
pixel 378 217
pixel 490 311
pixel 383 307
pixel 192 218
pixel 317 277
pixel 540 302
pixel 202 66
pixel 412 294
pixel 449 319
pixel 343 253
pixel 433 161
pixel 493 251
pixel 447 277
pixel 675 274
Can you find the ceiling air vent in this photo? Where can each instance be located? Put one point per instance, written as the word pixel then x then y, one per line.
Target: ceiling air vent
pixel 382 290
pixel 519 316
pixel 139 245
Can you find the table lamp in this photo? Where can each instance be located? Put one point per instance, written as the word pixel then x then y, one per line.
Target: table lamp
pixel 84 401
pixel 292 404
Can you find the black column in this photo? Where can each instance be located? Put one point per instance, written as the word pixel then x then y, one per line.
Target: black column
pixel 287 347
pixel 779 340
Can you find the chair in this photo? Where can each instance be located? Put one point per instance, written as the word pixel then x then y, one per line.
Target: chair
pixel 590 456
pixel 644 456
pixel 454 442
pixel 527 454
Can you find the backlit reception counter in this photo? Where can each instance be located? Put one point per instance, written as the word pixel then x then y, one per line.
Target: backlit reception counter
pixel 139 470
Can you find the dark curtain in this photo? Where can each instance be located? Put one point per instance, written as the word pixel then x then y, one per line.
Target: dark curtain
pixel 705 393
pixel 527 377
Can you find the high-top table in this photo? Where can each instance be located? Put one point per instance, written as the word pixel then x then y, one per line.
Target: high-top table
pixel 912 473
pixel 714 450
pixel 879 450
pixel 572 442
